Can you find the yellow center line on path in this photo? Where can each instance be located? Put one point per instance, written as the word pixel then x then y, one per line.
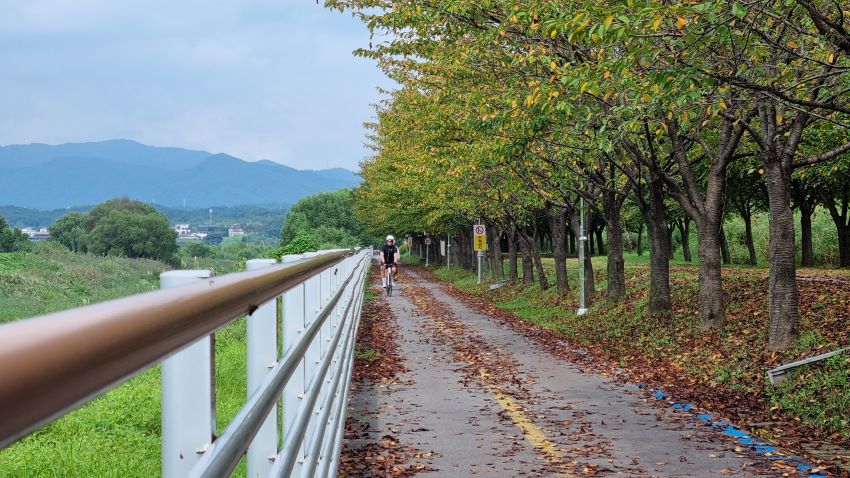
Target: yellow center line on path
pixel 530 430
pixel 518 415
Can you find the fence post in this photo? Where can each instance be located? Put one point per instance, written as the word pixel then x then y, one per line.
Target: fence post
pixel 293 326
pixel 187 422
pixel 262 356
pixel 313 355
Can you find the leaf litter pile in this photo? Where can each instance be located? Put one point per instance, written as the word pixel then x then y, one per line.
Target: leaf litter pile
pixel 377 364
pixel 721 371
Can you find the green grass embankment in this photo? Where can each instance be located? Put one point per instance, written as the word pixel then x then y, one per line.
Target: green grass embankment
pixel 118 434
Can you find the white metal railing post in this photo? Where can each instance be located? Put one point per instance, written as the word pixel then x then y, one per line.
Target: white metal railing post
pixel 187 422
pixel 262 357
pixel 294 324
pixel 313 355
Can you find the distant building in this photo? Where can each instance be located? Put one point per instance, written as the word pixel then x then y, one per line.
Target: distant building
pixel 235 230
pixel 182 230
pixel 36 235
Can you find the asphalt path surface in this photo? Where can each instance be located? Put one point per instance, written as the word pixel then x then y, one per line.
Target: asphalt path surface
pixel 479 399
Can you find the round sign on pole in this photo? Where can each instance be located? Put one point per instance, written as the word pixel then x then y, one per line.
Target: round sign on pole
pixel 427 241
pixel 479 229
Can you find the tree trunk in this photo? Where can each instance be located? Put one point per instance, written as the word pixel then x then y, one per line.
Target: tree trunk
pixel 531 245
pixel 670 239
pixel 724 247
pixel 782 301
pixel 808 252
pixel 659 251
pixel 842 227
pixel 616 263
pixel 527 265
pixel 572 251
pixel 712 308
pixel 558 226
pixel 465 254
pixel 640 239
pixel 685 231
pixel 590 242
pixel 512 253
pixel 495 247
pixel 600 245
pixel 748 238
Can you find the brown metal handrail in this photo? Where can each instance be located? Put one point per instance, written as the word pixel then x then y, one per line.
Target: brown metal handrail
pixel 53 363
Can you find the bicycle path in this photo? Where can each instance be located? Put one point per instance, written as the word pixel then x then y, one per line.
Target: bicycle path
pixel 479 399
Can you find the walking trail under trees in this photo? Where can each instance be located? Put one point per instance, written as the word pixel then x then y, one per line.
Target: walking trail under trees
pixel 444 390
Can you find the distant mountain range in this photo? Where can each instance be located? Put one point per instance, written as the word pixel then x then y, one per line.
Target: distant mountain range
pixel 61 176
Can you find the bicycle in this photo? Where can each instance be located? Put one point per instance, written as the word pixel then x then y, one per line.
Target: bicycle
pixel 389 280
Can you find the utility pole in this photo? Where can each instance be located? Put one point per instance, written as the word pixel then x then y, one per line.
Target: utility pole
pixel 582 242
pixel 448 251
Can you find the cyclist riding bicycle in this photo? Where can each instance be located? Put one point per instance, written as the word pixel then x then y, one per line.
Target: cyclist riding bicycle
pixel 389 258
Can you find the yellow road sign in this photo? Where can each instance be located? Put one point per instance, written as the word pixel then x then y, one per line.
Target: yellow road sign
pixel 480 242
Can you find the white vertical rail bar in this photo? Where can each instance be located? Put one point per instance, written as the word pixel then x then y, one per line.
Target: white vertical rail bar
pixel 313 356
pixel 329 329
pixel 187 424
pixel 262 356
pixel 293 326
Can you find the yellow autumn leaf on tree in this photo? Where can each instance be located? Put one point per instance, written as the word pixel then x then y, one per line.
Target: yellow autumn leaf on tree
pixel 681 22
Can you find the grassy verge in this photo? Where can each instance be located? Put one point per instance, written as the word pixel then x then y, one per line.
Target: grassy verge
pixel 51 278
pixel 117 435
pixel 722 369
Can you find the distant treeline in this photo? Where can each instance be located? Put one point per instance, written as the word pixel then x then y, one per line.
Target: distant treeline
pixel 266 221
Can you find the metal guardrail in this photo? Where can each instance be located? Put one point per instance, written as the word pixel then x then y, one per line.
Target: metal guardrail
pixel 53 363
pixel 780 373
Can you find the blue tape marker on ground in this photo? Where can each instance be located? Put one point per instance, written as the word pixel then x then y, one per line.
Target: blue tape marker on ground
pixel 756 444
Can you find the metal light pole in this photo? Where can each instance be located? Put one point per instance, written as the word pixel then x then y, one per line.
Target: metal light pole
pixel 448 251
pixel 582 240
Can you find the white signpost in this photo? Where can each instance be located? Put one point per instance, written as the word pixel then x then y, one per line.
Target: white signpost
pixel 427 249
pixel 479 233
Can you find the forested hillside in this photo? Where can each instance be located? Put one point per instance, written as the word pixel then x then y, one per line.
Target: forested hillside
pixel 48 177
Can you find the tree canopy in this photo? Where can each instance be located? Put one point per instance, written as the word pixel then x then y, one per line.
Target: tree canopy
pixel 11 239
pixel 121 227
pixel 514 111
pixel 323 221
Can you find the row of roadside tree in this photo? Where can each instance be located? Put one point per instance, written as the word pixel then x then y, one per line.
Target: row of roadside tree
pixel 685 111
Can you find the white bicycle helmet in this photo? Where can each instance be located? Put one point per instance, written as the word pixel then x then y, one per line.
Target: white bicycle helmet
pixel 390 238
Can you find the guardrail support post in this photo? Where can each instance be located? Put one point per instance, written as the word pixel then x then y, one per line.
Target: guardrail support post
pixel 187 423
pixel 312 306
pixel 262 356
pixel 294 323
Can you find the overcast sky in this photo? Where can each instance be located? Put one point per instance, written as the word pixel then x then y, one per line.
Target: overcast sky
pixel 258 79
